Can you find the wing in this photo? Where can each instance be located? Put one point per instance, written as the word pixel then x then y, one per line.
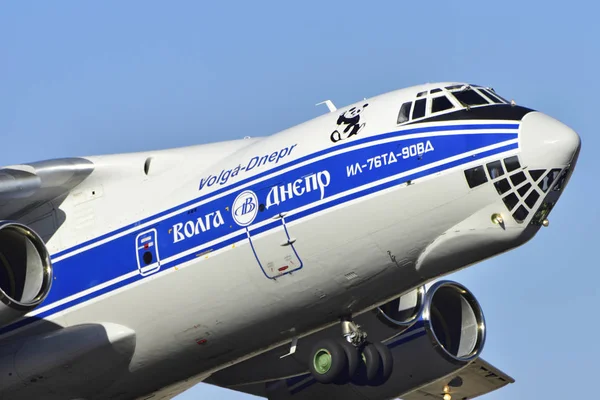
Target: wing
pixel 28 186
pixel 477 379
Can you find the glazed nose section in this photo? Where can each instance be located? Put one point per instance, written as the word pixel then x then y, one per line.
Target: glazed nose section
pixel 546 142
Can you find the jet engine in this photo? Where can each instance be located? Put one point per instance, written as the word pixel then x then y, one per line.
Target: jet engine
pixel 449 335
pixel 403 312
pixel 431 335
pixel 454 322
pixel 25 271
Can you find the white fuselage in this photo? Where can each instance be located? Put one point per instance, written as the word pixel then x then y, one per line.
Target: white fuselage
pixel 255 241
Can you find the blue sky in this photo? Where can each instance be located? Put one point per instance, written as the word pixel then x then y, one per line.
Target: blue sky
pixel 87 78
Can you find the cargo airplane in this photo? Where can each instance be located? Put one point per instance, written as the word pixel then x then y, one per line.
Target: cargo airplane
pixel 304 265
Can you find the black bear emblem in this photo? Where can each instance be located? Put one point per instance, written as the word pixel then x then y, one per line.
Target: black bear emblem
pixel 351 120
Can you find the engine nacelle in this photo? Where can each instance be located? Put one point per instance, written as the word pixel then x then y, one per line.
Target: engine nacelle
pixel 454 322
pixel 403 312
pixel 25 271
pixel 431 334
pixel 448 336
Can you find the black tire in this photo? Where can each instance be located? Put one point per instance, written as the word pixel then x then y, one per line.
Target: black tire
pixel 328 361
pixel 386 366
pixel 372 361
pixel 353 358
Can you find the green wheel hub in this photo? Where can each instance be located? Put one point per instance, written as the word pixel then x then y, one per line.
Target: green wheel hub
pixel 322 361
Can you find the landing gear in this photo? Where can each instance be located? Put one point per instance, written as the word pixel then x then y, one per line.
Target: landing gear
pixel 328 362
pixel 352 332
pixel 387 362
pixel 351 359
pixel 376 366
pixel 371 363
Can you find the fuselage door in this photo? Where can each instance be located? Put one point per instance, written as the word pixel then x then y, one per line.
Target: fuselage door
pixel 148 259
pixel 272 243
pixel 275 249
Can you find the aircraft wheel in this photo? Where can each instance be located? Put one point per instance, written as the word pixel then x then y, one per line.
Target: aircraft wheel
pixel 328 361
pixel 372 361
pixel 352 355
pixel 386 365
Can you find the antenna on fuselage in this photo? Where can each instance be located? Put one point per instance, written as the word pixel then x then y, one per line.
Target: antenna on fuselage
pixel 329 105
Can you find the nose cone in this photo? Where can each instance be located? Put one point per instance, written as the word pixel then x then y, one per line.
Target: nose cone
pixel 547 143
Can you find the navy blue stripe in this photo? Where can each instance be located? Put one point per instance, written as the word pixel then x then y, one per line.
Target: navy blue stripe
pixel 288 165
pixel 399 182
pixel 261 229
pixel 406 339
pixel 115 258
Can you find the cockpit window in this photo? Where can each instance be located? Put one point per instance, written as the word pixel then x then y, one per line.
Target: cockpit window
pixel 492 96
pixel 419 110
pixel 404 113
pixel 440 104
pixel 469 97
pixel 492 91
pixel 437 100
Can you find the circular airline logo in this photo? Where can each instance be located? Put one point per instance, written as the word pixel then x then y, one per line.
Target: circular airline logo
pixel 245 208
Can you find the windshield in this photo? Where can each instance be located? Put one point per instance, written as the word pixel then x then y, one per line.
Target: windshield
pixel 469 95
pixel 448 99
pixel 495 97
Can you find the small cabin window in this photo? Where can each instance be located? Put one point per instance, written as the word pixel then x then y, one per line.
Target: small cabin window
pixel 548 180
pixel 475 176
pixel 511 200
pixel 521 214
pixel 518 178
pixel 404 113
pixel 502 186
pixel 512 163
pixel 524 189
pixel 440 104
pixel 532 199
pixel 495 169
pixel 561 181
pixel 419 110
pixel 536 174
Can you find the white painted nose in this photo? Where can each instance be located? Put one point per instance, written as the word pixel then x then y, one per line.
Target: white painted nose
pixel 547 143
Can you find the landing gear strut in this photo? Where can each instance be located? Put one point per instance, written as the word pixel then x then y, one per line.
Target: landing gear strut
pixel 352 332
pixel 351 358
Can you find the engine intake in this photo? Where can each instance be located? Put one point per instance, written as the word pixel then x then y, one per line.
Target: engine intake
pixel 449 335
pixel 25 271
pixel 454 320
